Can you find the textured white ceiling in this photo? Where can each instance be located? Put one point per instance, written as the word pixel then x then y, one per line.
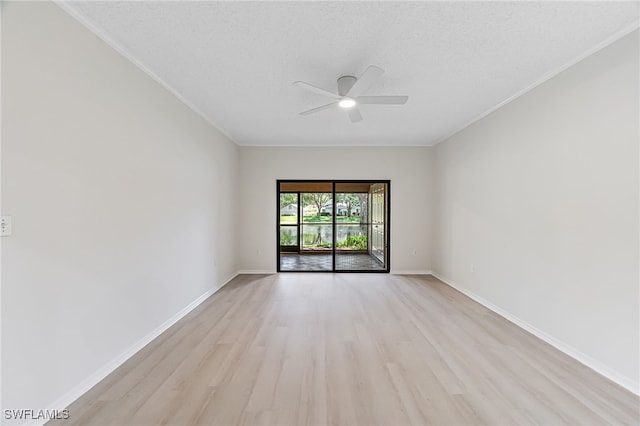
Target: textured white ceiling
pixel 234 62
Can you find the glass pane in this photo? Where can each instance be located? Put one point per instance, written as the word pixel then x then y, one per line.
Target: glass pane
pixel 288 235
pixel 288 208
pixel 317 236
pixel 357 261
pixel 352 237
pixel 306 262
pixel 349 206
pixel 317 207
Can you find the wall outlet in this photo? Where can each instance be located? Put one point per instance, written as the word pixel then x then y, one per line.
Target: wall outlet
pixel 472 267
pixel 5 226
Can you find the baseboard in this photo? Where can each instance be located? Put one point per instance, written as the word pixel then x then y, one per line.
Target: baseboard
pixel 411 272
pixel 393 272
pixel 574 353
pixel 79 390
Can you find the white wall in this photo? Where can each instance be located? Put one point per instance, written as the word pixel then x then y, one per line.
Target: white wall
pixel 122 202
pixel 541 197
pixel 409 170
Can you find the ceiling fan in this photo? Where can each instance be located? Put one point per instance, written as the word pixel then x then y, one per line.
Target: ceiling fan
pixel 349 91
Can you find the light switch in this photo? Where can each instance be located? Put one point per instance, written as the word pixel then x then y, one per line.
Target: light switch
pixel 5 226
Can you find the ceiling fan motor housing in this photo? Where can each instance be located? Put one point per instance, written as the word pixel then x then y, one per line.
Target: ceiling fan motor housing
pixel 345 83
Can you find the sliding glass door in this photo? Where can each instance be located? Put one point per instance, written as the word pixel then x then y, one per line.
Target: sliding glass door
pixel 339 226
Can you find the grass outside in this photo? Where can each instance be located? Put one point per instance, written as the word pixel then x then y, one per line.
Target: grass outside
pixel 288 220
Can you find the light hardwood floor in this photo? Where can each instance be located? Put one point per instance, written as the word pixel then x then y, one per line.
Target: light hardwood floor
pixel 349 349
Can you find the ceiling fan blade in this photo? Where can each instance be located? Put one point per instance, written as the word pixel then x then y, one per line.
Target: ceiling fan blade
pixel 315 89
pixel 385 100
pixel 320 108
pixel 354 114
pixel 370 75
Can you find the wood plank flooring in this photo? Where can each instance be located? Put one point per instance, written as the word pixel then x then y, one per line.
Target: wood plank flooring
pixel 349 349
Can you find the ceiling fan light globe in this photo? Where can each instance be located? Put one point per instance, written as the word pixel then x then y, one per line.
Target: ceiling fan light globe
pixel 347 103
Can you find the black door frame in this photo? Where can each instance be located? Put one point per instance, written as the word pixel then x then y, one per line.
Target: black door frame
pixel 334 223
